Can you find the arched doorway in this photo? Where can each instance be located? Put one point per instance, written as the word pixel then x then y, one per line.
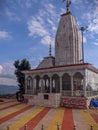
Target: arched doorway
pixel 66 84
pixel 78 84
pixel 29 83
pixel 55 83
pixel 46 84
pixel 37 87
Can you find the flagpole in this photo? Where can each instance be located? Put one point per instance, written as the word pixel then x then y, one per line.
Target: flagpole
pixel 68 3
pixel 82 32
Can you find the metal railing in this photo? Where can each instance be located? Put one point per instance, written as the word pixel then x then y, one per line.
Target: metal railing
pixel 64 92
pixel 57 126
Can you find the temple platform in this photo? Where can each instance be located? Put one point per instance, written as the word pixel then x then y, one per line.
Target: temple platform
pixel 55 100
pixel 77 102
pixel 44 99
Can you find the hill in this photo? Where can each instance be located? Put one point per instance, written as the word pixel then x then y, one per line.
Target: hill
pixel 8 89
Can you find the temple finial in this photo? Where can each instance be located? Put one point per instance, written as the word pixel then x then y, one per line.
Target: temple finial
pixel 68 3
pixel 50 50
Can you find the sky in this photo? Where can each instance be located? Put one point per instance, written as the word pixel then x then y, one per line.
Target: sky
pixel 27 27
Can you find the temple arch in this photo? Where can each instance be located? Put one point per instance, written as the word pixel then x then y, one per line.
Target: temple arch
pixel 29 85
pixel 46 83
pixel 66 82
pixel 78 83
pixel 37 84
pixel 29 81
pixel 55 83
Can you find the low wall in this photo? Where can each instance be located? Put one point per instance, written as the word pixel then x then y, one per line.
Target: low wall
pixel 74 102
pixel 55 100
pixel 44 99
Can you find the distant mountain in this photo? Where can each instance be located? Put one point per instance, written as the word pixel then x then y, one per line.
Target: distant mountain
pixel 6 89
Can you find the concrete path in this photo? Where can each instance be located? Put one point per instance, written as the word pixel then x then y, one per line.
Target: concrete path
pixel 81 118
pixel 78 120
pixel 46 120
pixel 15 119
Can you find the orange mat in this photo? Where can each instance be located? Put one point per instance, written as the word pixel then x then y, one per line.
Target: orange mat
pixel 68 123
pixel 33 122
pixel 95 117
pixel 10 106
pixel 8 117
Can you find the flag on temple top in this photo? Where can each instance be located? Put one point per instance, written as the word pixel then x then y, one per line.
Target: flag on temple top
pixel 69 2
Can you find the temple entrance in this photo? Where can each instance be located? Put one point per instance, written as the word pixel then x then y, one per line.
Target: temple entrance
pixel 37 85
pixel 55 84
pixel 78 84
pixel 66 84
pixel 29 85
pixel 46 84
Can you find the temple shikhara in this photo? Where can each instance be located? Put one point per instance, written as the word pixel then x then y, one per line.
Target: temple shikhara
pixel 64 79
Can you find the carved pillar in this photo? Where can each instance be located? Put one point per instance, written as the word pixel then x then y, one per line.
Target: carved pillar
pixel 50 84
pixel 60 84
pixel 34 85
pixel 41 84
pixel 84 85
pixel 25 85
pixel 72 86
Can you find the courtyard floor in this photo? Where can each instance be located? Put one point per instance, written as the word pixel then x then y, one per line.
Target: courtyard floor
pixel 21 116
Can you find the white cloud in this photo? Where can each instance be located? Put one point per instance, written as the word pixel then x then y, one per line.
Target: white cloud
pixel 28 3
pixel 93 27
pixel 5 35
pixel 84 39
pixel 1 69
pixel 8 81
pixel 96 2
pixel 37 24
pixel 8 69
pixel 12 15
pixel 50 9
pixel 93 24
pixel 7 74
pixel 92 20
pixel 47 40
pixel 36 28
pixel 50 22
pixel 95 43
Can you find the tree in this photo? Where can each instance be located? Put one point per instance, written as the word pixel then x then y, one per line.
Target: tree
pixel 20 66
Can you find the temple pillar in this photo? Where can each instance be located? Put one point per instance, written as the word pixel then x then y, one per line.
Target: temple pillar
pixel 60 84
pixel 72 87
pixel 41 85
pixel 25 85
pixel 50 84
pixel 84 86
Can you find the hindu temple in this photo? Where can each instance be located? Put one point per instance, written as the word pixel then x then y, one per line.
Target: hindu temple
pixel 64 79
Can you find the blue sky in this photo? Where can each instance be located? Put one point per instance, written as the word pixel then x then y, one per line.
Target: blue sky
pixel 28 26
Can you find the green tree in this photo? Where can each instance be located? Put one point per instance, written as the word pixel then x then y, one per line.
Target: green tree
pixel 20 66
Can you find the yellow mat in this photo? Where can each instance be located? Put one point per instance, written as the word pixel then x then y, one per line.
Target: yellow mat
pixel 7 104
pixel 28 117
pixel 12 110
pixel 57 119
pixel 89 120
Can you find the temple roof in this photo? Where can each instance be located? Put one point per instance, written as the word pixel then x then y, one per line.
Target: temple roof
pixel 47 62
pixel 64 67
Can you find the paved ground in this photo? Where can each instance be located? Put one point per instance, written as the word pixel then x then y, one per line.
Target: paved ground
pixel 16 116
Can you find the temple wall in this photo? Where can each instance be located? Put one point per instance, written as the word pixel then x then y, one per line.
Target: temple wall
pixel 91 79
pixel 44 99
pixel 50 99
